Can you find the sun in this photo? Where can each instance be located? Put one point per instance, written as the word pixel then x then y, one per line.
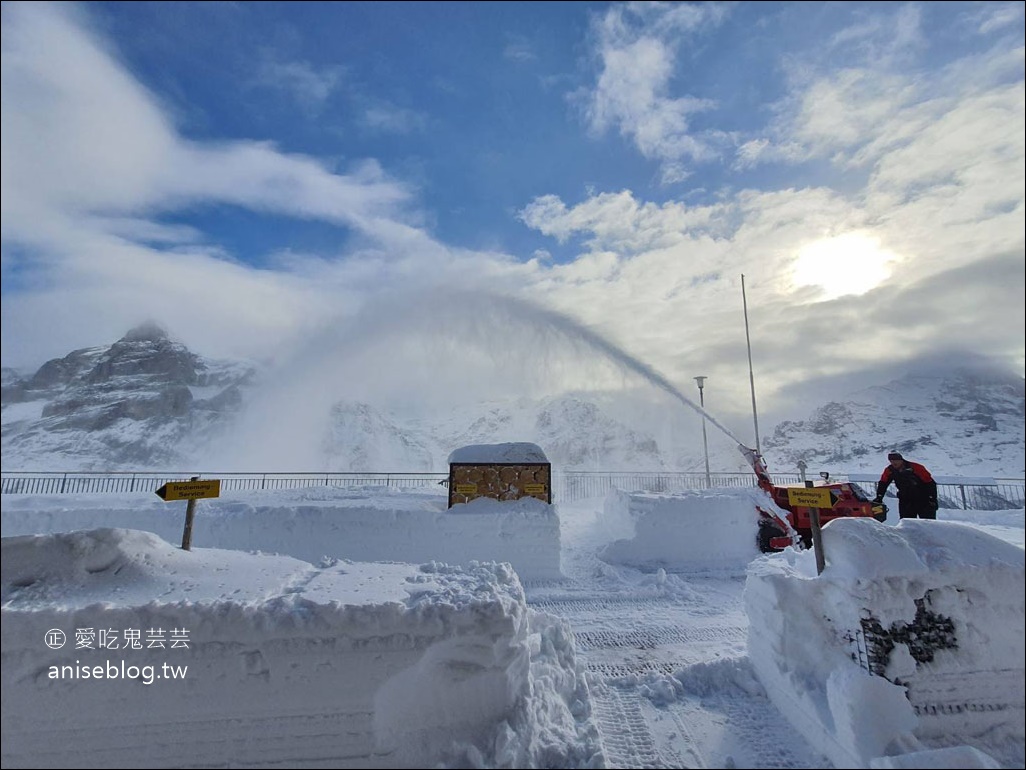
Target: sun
pixel 852 263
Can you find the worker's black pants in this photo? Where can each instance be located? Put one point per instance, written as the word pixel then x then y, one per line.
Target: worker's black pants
pixel 916 510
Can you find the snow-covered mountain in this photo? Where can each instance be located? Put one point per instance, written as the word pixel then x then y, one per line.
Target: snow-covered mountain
pixel 362 438
pixel 574 432
pixel 148 402
pixel 963 423
pixel 140 402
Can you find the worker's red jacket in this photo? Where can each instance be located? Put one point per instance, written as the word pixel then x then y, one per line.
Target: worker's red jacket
pixel 914 482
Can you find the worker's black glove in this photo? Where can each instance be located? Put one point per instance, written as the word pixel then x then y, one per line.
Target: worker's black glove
pixel 877 500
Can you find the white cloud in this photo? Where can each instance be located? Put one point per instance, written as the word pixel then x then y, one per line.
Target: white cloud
pixel 80 136
pixel 664 280
pixel 77 131
pixel 147 231
pixel 756 152
pixel 617 221
pixel 520 50
pixel 392 119
pixel 653 273
pixel 310 86
pixel 886 39
pixel 880 100
pixel 637 48
pixel 998 16
pixel 90 163
pixel 844 111
pixel 259 176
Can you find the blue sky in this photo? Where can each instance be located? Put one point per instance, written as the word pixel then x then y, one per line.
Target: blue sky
pixel 251 174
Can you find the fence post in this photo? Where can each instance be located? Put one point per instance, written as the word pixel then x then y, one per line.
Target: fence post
pixel 64 481
pixel 965 505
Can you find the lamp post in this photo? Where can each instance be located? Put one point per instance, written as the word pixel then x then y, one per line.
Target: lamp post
pixel 705 440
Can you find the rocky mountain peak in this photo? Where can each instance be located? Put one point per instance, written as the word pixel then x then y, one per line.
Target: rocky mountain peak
pixel 147 350
pixel 129 403
pixel 149 331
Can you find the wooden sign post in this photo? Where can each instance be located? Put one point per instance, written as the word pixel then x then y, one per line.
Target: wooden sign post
pixel 814 498
pixel 192 491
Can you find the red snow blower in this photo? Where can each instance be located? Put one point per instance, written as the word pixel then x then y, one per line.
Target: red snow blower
pixel 776 532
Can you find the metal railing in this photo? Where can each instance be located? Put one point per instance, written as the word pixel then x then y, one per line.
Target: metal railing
pixel 568 486
pixel 577 485
pixel 118 482
pixel 1004 494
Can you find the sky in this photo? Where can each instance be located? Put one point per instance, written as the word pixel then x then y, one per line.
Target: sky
pixel 271 180
pixel 663 639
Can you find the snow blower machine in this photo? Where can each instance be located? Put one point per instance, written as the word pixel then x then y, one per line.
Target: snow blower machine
pixel 777 531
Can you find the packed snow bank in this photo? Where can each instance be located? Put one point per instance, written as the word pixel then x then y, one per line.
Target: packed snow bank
pixel 362 523
pixel 211 657
pixel 694 530
pixel 1010 526
pixel 911 639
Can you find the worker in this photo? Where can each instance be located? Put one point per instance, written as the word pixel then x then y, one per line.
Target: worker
pixel 917 491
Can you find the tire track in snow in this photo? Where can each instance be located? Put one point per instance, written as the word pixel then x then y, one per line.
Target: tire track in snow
pixel 626 740
pixel 651 638
pixel 629 644
pixel 583 605
pixel 774 735
pixel 618 654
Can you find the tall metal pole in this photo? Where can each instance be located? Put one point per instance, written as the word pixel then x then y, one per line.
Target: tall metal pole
pixel 705 441
pixel 751 374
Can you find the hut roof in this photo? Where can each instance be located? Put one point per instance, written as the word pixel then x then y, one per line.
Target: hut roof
pixel 485 454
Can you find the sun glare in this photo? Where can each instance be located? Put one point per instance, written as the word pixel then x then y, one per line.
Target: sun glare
pixel 852 263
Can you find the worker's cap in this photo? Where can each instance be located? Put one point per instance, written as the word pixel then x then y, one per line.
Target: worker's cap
pixel 894 456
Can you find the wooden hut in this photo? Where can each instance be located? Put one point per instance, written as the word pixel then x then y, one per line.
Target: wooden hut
pixel 500 471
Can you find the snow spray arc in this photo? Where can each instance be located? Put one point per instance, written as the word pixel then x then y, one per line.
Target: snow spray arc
pixel 468 310
pixel 572 328
pixel 398 334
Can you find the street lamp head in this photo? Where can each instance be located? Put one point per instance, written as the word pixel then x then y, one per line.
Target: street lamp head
pixel 701 381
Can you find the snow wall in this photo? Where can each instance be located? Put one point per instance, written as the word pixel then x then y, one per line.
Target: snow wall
pixel 684 531
pixel 364 665
pixel 361 523
pixel 929 636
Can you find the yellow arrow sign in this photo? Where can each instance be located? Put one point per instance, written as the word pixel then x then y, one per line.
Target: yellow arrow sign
pixel 816 497
pixel 190 490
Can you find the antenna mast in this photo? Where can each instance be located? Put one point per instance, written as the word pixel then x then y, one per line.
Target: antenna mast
pixel 751 374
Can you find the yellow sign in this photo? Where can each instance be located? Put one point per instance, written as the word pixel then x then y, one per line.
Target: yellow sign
pixel 534 489
pixel 820 497
pixel 190 490
pixel 466 489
